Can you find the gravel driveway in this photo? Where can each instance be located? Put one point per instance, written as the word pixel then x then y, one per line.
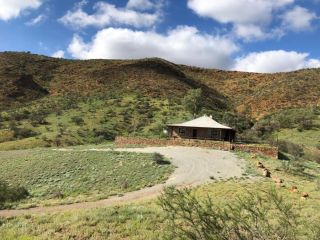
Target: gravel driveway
pixel 195 166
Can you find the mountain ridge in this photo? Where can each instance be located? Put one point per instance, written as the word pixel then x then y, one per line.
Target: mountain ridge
pixel 251 94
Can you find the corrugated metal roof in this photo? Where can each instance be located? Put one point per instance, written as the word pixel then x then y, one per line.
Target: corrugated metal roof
pixel 201 122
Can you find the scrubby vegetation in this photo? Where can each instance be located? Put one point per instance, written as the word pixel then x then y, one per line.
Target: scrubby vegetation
pixel 56 176
pixel 251 216
pixel 10 194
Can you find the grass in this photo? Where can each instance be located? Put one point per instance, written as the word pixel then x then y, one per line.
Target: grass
pixel 78 175
pixel 306 138
pixel 138 221
pixel 127 222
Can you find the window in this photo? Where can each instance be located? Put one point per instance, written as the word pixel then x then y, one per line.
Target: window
pixel 214 133
pixel 182 131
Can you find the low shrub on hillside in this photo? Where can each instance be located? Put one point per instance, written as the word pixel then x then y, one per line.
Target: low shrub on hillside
pixel 255 216
pixel 159 159
pixel 77 120
pixel 290 148
pixel 20 133
pixel 11 194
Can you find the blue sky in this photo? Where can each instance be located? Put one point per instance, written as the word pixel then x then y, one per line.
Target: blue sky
pixel 246 35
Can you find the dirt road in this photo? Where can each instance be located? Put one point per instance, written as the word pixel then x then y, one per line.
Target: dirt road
pixel 195 166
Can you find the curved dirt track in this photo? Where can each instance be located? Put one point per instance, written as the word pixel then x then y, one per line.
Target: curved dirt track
pixel 195 166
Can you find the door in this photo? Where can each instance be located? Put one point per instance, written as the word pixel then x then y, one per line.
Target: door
pixel 194 133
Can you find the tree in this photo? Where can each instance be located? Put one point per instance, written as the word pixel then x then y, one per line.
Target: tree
pixel 193 101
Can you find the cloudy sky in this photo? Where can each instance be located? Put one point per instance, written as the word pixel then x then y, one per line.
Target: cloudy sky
pixel 246 35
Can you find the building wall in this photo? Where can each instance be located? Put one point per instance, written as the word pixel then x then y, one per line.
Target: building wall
pixel 202 133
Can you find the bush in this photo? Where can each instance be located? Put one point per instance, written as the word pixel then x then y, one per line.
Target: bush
pixel 20 133
pixel 254 216
pixel 11 194
pixel 77 120
pixel 290 148
pixel 159 159
pixel 305 125
pixel 104 133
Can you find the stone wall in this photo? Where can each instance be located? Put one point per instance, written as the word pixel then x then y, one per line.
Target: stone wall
pixel 173 142
pixel 264 150
pixel 219 145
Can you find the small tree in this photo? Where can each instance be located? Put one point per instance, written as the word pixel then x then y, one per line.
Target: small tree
pixel 193 101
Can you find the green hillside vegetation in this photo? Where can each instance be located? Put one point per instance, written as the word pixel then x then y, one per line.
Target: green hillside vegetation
pixel 55 177
pixel 54 102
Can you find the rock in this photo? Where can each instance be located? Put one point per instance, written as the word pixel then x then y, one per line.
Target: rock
pixel 266 173
pixel 260 165
pixel 305 195
pixel 294 189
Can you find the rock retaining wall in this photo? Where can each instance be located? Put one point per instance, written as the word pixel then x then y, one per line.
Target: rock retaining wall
pixel 268 151
pixel 173 142
pixel 264 150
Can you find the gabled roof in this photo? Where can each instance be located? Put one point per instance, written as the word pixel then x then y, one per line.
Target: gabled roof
pixel 201 122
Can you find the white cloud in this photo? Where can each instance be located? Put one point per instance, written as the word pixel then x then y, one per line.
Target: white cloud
pixel 250 18
pixel 183 45
pixel 298 19
pixel 254 32
pixel 36 20
pixel 107 14
pixel 275 61
pixel 237 11
pixel 143 4
pixel 10 9
pixel 58 54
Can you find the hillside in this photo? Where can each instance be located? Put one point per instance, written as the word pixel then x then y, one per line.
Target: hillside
pixel 55 102
pixel 259 95
pixel 25 77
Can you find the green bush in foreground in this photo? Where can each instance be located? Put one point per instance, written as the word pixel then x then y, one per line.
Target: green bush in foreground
pixel 255 216
pixel 11 194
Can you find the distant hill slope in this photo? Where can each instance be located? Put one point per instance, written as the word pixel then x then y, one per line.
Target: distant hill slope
pixel 261 94
pixel 26 77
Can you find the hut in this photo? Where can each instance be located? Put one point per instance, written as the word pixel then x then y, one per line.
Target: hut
pixel 204 128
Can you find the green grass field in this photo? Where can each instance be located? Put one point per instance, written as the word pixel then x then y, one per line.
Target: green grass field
pixel 145 220
pixel 77 175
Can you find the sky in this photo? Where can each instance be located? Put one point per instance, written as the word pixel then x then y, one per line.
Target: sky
pixel 245 35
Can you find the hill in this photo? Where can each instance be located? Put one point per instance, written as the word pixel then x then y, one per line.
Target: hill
pixel 258 95
pixel 54 102
pixel 26 77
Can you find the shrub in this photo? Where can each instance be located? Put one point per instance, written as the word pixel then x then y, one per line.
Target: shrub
pixel 104 133
pixel 38 118
pixel 11 194
pixel 193 101
pixel 253 216
pixel 290 148
pixel 21 133
pixel 159 159
pixel 77 120
pixel 305 125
